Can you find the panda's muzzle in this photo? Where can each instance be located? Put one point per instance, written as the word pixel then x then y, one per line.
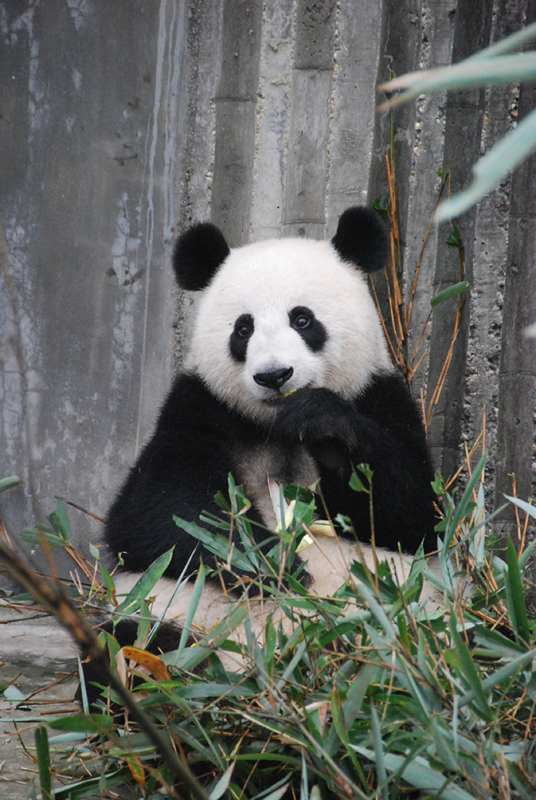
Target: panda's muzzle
pixel 274 379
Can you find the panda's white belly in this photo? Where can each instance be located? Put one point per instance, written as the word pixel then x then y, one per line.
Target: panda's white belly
pixel 257 464
pixel 327 560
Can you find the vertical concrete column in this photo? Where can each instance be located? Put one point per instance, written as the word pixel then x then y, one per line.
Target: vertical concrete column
pixel 437 22
pixel 400 47
pixel 490 262
pixel 273 118
pixel 236 104
pixel 307 165
pixel 464 116
pixel 353 106
pixel 517 376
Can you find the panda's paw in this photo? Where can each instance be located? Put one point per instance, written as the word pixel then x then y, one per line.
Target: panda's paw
pixel 316 415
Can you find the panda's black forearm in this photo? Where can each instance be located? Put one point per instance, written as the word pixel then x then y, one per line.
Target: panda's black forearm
pixel 317 415
pixel 382 429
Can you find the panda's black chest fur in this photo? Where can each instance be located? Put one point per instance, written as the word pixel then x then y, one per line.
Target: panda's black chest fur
pixel 283 463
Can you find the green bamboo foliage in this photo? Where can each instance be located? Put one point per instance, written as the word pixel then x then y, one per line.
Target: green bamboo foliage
pixel 493 65
pixel 369 695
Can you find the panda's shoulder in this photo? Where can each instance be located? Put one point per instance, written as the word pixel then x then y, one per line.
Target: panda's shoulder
pixel 187 412
pixel 188 397
pixel 191 407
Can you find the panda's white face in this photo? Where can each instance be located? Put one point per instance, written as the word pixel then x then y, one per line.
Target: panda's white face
pixel 284 315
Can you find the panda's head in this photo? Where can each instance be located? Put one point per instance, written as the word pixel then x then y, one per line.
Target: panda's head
pixel 282 315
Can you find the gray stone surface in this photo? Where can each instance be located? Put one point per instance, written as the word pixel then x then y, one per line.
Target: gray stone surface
pixel 38 658
pixel 91 159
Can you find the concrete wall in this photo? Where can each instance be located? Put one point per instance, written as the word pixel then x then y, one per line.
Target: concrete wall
pixel 124 122
pixel 92 152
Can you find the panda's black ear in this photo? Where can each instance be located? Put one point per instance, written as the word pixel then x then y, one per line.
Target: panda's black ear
pixel 362 239
pixel 198 254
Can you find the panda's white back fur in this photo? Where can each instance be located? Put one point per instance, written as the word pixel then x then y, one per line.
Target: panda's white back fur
pixel 267 280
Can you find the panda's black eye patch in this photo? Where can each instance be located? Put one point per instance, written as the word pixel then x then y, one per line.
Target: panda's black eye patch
pixel 309 327
pixel 238 343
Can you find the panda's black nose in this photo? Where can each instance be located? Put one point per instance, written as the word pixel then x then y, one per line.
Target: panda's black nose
pixel 274 379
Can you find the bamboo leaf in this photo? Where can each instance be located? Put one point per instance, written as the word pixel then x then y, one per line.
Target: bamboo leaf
pixel 378 611
pixel 36 537
pixel 504 157
pixel 146 583
pixel 450 291
pixel 493 65
pixel 108 582
pixel 513 42
pixel 502 674
pixel 378 751
pixel 528 508
pixel 419 774
pixel 339 725
pixel 43 760
pixel 9 483
pixel 136 770
pixel 496 645
pixel 192 608
pixel 276 793
pixel 443 745
pixel 216 544
pixel 154 665
pixel 304 784
pixel 519 779
pixel 526 554
pixel 467 74
pixel 460 659
pixel 193 656
pixel 91 787
pixel 357 484
pixel 221 786
pixel 356 693
pixel 463 508
pixel 515 595
pixel 13 694
pixel 196 690
pixel 83 723
pixel 60 521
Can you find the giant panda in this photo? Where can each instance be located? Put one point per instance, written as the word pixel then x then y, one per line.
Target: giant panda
pixel 287 379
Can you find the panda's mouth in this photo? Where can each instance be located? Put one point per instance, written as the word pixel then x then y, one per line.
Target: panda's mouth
pixel 278 397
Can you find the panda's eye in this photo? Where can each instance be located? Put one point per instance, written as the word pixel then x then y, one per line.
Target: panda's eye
pixel 309 327
pixel 244 326
pixel 243 330
pixel 301 318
